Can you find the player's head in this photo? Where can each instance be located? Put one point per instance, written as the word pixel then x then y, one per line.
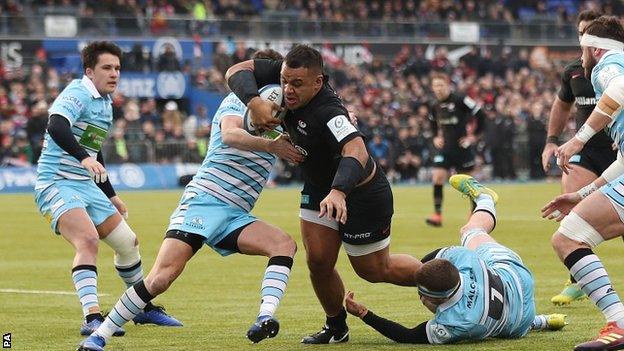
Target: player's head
pixel 437 280
pixel 603 34
pixel 101 63
pixel 267 54
pixel 584 19
pixel 301 76
pixel 441 85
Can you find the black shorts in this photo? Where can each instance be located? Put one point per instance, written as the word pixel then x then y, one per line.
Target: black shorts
pixel 369 209
pixel 594 159
pixel 463 160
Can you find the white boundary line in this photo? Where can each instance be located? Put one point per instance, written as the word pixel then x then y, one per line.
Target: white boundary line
pixel 41 292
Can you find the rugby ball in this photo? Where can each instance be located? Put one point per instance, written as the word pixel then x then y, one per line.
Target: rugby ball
pixel 272 93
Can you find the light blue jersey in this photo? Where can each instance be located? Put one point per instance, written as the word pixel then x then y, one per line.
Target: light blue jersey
pixel 233 176
pixel 495 298
pixel 62 183
pixel 611 65
pixel 90 116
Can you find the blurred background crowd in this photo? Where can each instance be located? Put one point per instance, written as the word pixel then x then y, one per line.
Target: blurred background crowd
pixel 390 96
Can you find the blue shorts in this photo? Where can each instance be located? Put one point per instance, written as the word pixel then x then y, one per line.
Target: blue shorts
pixel 64 195
pixel 518 282
pixel 202 214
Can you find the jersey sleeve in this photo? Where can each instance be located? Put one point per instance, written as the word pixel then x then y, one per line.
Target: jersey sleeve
pixel 439 334
pixel 70 104
pixel 565 91
pixel 469 105
pixel 605 74
pixel 230 106
pixel 339 128
pixel 267 71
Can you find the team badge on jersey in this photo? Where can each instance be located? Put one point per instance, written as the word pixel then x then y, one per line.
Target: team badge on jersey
pixel 340 127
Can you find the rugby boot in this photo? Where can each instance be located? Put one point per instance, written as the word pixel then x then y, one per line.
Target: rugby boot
pixel 156 315
pixel 470 187
pixel 570 293
pixel 327 336
pixel 611 337
pixel 264 327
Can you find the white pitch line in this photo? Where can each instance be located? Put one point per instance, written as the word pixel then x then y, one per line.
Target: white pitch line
pixel 42 292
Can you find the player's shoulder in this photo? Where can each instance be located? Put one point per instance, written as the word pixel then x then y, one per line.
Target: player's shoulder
pixel 328 104
pixel 231 103
pixel 610 66
pixel 74 94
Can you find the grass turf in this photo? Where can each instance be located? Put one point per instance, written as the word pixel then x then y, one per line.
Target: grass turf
pixel 217 298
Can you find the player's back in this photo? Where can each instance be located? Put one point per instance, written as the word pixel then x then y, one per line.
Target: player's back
pixel 487 305
pixel 611 65
pixel 90 116
pixel 232 175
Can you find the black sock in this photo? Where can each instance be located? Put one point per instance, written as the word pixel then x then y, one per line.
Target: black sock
pixel 150 306
pixel 94 316
pixel 339 321
pixel 576 256
pixel 572 279
pixel 437 198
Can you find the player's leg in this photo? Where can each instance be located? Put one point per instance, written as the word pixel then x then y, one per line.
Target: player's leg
pixel 322 244
pixel 175 251
pixel 439 175
pixel 578 176
pixel 380 266
pixel 482 221
pixel 593 220
pixel 117 234
pixel 260 238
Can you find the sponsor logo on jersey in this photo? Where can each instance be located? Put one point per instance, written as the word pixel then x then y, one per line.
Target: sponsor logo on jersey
pixel 472 291
pixel 301 127
pixel 302 150
pixel 73 101
pixel 585 101
pixel 340 127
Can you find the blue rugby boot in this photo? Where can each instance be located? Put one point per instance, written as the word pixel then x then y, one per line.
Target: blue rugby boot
pixel 87 329
pixel 264 327
pixel 156 315
pixel 92 343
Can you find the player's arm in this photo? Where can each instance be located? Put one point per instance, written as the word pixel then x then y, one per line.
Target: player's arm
pixel 244 78
pixel 477 121
pixel 109 191
pixel 387 328
pixel 438 138
pixel 60 131
pixel 559 114
pixel 608 107
pixel 233 134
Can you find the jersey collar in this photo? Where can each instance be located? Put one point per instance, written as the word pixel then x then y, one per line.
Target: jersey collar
pixel 609 53
pixel 86 81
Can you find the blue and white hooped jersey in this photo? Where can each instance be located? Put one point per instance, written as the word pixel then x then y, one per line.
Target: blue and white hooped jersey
pixel 233 176
pixel 611 65
pixel 488 304
pixel 90 116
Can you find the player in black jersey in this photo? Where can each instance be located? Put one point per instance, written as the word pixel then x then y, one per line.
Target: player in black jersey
pixel 598 152
pixel 456 121
pixel 346 198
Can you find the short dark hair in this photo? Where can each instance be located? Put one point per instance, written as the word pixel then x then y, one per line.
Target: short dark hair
pixel 304 56
pixel 588 15
pixel 608 27
pixel 440 75
pixel 91 53
pixel 268 54
pixel 437 275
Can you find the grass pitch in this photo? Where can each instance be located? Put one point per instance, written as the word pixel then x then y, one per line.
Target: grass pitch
pixel 217 298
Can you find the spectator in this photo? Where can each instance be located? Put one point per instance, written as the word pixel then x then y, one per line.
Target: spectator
pixel 168 61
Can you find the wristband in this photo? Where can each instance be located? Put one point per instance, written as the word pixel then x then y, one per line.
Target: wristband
pixel 585 133
pixel 586 190
pixel 552 139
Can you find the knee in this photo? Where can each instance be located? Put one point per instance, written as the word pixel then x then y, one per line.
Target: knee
pixel 319 265
pixel 87 243
pixel 285 247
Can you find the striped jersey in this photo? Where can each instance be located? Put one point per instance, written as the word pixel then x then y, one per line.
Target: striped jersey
pixel 233 176
pixel 611 65
pixel 90 116
pixel 487 304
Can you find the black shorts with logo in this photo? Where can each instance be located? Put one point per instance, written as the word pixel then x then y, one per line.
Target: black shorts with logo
pixel 594 159
pixel 463 160
pixel 369 209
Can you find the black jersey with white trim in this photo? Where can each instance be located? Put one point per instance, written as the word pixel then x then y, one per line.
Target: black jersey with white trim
pixel 575 87
pixel 319 129
pixel 453 116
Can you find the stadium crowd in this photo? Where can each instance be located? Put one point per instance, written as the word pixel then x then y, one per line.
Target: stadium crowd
pixel 391 100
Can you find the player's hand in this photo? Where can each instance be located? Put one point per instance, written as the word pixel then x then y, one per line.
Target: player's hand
pixel 565 151
pixel 549 151
pixel 353 307
pixel 284 149
pixel 120 206
pixel 438 142
pixel 560 206
pixel 468 140
pixel 262 113
pixel 95 169
pixel 334 201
